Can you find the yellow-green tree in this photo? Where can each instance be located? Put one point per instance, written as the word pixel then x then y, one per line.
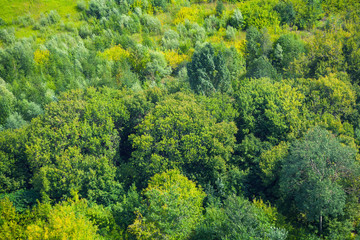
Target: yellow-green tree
pixel 67 220
pixel 174 208
pixel 9 221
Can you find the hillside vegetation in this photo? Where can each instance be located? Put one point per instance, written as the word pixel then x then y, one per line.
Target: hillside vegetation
pixel 181 119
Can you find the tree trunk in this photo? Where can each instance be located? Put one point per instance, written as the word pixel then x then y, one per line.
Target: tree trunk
pixel 320 225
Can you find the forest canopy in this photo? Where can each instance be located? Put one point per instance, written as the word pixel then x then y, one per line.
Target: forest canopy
pixel 180 119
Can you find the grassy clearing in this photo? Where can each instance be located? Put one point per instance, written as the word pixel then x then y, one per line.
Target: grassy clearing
pixel 11 9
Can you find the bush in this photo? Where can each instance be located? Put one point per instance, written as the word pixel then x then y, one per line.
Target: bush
pixel 170 40
pixel 24 21
pixel 286 11
pixel 220 8
pixel 7 35
pixel 157 66
pixel 151 24
pixel 85 31
pixel 129 24
pixel 261 67
pixel 2 22
pixel 236 19
pixel 211 24
pixel 230 33
pixel 98 8
pixel 159 4
pixel 51 18
pixel 14 121
pixel 81 5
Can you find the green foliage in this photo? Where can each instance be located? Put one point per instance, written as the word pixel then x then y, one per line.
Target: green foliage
pixel 230 33
pixel 328 95
pixel 352 56
pixel 157 66
pixel 14 121
pixel 9 227
pixel 181 133
pixel 151 24
pixel 236 20
pixel 16 60
pixel 286 11
pixel 58 135
pixel 67 220
pixel 270 162
pixel 51 18
pixel 311 175
pixel 22 199
pixel 170 40
pixel 261 68
pixel 220 8
pixel 90 121
pixel 212 24
pixel 259 13
pixel 270 110
pixel 7 102
pixel 207 72
pixel 326 54
pixel 125 211
pixel 258 47
pixel 174 207
pixel 291 48
pixel 239 219
pixel 14 168
pixel 7 35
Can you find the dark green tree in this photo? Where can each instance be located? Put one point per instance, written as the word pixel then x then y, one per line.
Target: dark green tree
pixel 73 146
pixel 286 11
pixel 236 19
pixel 207 72
pixel 220 8
pixel 261 68
pixel 291 48
pixel 240 219
pixel 311 175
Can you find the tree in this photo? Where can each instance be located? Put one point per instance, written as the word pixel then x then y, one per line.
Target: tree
pixel 180 133
pixel 286 11
pixel 220 8
pixel 270 110
pixel 328 95
pixel 311 175
pixel 291 48
pixel 352 56
pixel 7 102
pixel 66 220
pixel 74 144
pixel 261 68
pixel 9 221
pixel 236 20
pixel 240 219
pixel 258 47
pixel 208 72
pixel 174 208
pixel 15 171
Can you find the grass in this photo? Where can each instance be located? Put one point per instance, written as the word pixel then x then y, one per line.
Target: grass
pixel 11 9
